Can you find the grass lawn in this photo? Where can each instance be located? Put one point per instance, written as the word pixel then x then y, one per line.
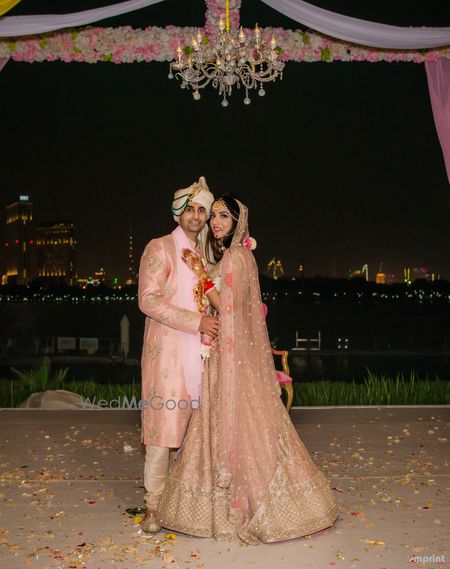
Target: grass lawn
pixel 374 390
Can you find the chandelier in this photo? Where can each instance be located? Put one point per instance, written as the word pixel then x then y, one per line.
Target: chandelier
pixel 233 61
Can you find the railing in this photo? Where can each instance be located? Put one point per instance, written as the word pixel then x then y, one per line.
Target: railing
pixel 307 344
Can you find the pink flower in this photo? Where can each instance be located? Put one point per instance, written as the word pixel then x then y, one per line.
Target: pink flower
pixel 126 45
pixel 206 340
pixel 249 243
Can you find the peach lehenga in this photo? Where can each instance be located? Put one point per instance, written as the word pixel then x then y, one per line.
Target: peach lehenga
pixel 243 472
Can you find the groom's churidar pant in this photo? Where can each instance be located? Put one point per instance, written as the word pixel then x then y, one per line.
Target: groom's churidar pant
pixel 156 470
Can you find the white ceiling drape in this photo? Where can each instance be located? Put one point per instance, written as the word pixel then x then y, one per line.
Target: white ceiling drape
pixel 359 31
pixel 13 26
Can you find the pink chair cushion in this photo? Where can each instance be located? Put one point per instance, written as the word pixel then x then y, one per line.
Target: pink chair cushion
pixel 283 377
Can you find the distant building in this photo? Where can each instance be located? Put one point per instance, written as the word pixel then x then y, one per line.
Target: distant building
pixel 425 273
pixel 301 269
pixel 19 241
pixel 380 278
pixel 381 275
pixel 131 272
pixel 390 278
pixel 84 282
pixel 275 268
pixel 407 275
pixel 100 278
pixel 359 273
pixel 56 251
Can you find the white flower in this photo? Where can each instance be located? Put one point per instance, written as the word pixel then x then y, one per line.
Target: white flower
pixel 205 351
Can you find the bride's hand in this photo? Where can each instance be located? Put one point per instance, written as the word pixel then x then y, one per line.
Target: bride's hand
pixel 193 262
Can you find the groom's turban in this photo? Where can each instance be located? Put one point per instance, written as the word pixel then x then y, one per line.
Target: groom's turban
pixel 197 192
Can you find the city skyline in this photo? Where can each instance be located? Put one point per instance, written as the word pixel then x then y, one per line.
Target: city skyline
pixel 49 262
pixel 339 163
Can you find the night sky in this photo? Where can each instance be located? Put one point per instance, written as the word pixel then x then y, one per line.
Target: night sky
pixel 339 163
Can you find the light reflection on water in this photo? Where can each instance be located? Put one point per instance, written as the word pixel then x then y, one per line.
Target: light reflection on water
pixel 347 367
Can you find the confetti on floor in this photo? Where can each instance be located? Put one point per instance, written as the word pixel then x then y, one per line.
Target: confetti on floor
pixel 71 494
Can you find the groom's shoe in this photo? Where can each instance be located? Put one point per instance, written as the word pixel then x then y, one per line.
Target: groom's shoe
pixel 149 523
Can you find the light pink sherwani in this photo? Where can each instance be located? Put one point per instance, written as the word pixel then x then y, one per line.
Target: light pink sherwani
pixel 162 365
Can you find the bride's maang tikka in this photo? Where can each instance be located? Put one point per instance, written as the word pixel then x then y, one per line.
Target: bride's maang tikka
pixel 221 203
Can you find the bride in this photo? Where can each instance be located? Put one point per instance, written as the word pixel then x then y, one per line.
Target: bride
pixel 243 472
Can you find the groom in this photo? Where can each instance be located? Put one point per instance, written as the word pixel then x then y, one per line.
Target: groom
pixel 171 361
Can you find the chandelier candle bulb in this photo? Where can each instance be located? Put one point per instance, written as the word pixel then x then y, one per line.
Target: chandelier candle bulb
pixel 273 42
pixel 221 25
pixel 179 52
pixel 199 37
pixel 241 36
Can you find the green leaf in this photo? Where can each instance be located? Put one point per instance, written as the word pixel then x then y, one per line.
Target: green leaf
pixel 205 40
pixel 39 377
pixel 279 50
pixel 107 57
pixel 305 37
pixel 43 42
pixel 325 54
pixel 188 50
pixel 11 45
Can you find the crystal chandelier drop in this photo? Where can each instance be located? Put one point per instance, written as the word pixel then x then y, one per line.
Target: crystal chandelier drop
pixel 234 60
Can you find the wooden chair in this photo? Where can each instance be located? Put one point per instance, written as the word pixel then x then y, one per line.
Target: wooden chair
pixel 283 377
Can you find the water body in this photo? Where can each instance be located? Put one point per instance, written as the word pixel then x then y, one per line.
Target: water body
pixel 380 332
pixel 355 366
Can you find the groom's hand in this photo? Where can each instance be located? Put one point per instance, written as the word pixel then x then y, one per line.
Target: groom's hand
pixel 209 325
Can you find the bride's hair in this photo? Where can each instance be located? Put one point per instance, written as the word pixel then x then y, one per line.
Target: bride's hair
pixel 230 201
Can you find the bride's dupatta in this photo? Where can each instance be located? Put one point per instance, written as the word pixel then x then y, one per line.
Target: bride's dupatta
pixel 251 417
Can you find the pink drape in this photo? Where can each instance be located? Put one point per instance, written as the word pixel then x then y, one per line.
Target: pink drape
pixel 438 74
pixel 3 62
